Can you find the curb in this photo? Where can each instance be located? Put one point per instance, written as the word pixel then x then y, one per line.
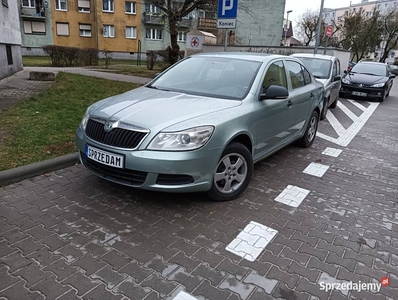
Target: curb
pixel 35 169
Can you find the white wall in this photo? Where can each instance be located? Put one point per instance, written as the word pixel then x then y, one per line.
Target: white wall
pixel 10 32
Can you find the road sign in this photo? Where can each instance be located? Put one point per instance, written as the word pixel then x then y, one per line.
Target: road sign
pixel 226 23
pixel 227 9
pixel 329 30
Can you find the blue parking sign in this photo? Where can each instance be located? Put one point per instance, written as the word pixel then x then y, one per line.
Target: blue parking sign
pixel 227 9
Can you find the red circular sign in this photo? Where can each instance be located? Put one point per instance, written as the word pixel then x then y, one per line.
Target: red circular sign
pixel 195 42
pixel 329 30
pixel 385 281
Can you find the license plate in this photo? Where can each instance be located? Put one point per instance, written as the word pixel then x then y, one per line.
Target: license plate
pixel 104 157
pixel 359 94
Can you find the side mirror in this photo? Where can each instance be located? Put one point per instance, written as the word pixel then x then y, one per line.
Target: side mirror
pixel 275 92
pixel 345 72
pixel 392 76
pixel 337 78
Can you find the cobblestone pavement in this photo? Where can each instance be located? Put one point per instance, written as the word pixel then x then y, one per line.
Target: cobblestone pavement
pixel 18 87
pixel 71 235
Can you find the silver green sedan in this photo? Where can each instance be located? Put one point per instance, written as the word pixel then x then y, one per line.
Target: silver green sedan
pixel 202 124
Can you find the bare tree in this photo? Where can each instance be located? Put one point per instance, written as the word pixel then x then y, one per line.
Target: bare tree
pixel 307 26
pixel 175 10
pixel 389 33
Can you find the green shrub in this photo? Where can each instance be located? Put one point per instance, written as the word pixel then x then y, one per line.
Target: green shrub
pixel 62 56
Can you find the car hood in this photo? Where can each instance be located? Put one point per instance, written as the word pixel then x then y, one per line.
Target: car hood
pixel 151 108
pixel 365 79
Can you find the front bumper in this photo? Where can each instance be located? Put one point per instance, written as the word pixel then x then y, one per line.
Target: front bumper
pixel 189 171
pixel 371 92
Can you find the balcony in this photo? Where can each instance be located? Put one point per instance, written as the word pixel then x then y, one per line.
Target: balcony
pixel 206 24
pixel 36 12
pixel 154 18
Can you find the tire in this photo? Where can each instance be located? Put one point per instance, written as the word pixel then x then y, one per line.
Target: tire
pixel 325 109
pixel 309 136
pixel 334 104
pixel 226 186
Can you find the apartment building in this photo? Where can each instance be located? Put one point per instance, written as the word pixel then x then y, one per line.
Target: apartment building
pixel 10 39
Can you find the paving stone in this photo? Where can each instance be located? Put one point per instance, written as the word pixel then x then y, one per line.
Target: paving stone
pixel 208 291
pixel 227 266
pixel 101 293
pixel 289 279
pixel 51 288
pixel 108 276
pixel 88 264
pixel 61 269
pixel 132 290
pixel 137 272
pixel 44 257
pixel 349 264
pixel 260 295
pixel 115 260
pixel 161 266
pixel 32 274
pixel 38 232
pixel 295 256
pixel 326 267
pixel 13 236
pixel 81 283
pixel 305 286
pixel 53 242
pixel 15 261
pixel 338 250
pixel 188 263
pixel 296 268
pixel 266 284
pixel 140 255
pixel 213 275
pixel 19 291
pixel 243 290
pixel 5 249
pixel 159 284
pixel 189 281
pixel 6 278
pixel 282 263
pixel 212 259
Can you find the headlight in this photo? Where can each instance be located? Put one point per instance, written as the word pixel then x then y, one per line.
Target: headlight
pixel 189 139
pixel 378 84
pixel 83 123
pixel 345 81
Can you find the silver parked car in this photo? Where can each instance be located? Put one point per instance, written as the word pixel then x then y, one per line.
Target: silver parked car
pixel 200 125
pixel 325 69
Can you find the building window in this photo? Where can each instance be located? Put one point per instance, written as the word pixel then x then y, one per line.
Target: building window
pixel 9 54
pixel 108 5
pixel 62 29
pixel 151 8
pixel 83 6
pixel 153 34
pixel 130 7
pixel 28 3
pixel 368 13
pixel 5 3
pixel 33 27
pixel 131 32
pixel 182 36
pixel 108 31
pixel 85 30
pixel 61 4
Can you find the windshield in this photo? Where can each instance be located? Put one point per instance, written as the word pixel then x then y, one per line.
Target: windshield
pixel 320 68
pixel 371 69
pixel 210 76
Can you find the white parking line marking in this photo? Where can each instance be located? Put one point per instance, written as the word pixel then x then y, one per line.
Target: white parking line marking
pixel 361 107
pixel 335 123
pixel 332 152
pixel 348 112
pixel 347 135
pixel 251 241
pixel 316 169
pixel 184 296
pixel 292 196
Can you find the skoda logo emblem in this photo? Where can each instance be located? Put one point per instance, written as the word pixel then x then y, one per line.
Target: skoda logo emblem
pixel 108 126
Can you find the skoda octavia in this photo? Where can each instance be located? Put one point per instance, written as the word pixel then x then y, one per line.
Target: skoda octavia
pixel 202 124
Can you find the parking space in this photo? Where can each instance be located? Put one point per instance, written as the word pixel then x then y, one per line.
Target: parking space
pixel 310 217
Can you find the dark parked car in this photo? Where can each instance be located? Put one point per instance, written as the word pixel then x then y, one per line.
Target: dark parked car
pixel 368 79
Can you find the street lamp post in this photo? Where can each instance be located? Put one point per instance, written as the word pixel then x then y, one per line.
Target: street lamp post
pixel 287 24
pixel 318 31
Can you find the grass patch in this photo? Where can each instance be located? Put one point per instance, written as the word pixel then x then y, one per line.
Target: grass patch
pixel 36 61
pixel 44 126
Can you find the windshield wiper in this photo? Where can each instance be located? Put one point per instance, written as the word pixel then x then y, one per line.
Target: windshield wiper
pixel 371 74
pixel 319 77
pixel 156 88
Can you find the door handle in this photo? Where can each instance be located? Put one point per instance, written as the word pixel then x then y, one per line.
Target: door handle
pixel 312 95
pixel 289 103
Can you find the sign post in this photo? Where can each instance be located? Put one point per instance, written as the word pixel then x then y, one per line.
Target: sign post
pixel 226 19
pixel 329 32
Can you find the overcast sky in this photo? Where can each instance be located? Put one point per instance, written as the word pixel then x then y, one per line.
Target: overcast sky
pixel 299 7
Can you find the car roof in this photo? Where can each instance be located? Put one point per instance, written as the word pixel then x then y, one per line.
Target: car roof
pixel 260 57
pixel 311 55
pixel 372 63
